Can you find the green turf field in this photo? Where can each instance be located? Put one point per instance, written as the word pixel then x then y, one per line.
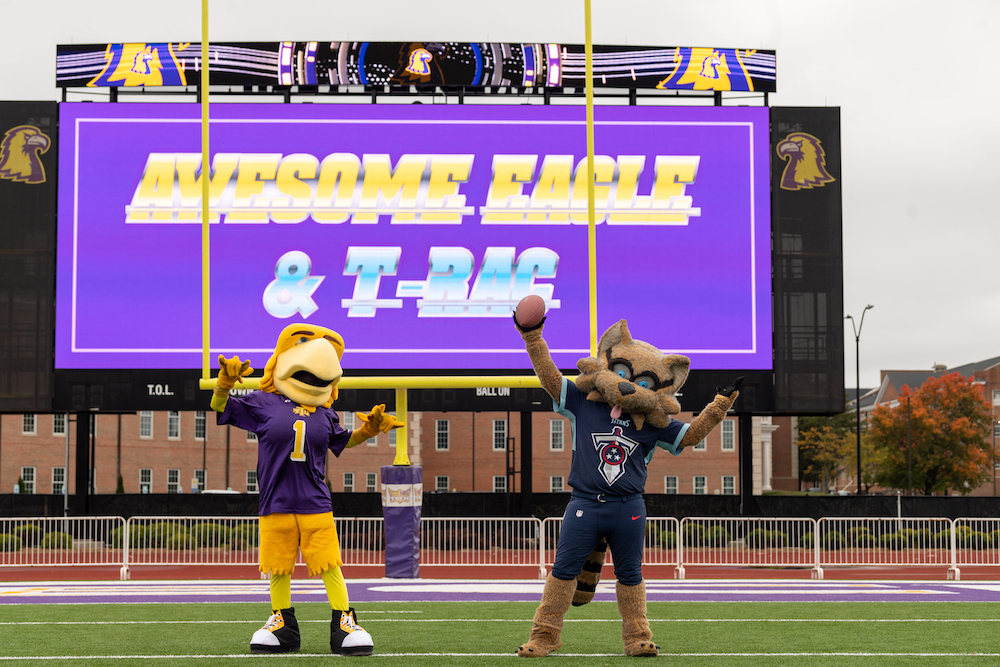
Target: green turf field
pixel 471 634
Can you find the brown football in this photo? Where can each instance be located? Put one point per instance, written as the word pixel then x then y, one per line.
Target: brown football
pixel 530 310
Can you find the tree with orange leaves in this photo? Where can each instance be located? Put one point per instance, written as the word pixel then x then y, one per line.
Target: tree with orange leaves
pixel 949 422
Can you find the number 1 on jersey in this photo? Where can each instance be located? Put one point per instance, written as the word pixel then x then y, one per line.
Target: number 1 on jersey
pixel 299 450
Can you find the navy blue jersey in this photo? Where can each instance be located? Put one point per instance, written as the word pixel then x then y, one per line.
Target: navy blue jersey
pixel 291 450
pixel 610 455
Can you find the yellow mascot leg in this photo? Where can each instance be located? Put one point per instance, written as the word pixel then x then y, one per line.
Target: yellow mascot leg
pixel 336 588
pixel 281 591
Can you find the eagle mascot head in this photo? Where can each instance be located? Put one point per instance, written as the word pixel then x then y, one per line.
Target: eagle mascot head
pixel 806 162
pixel 19 153
pixel 305 365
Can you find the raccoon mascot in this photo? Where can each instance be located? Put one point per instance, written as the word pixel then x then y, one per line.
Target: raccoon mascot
pixel 620 407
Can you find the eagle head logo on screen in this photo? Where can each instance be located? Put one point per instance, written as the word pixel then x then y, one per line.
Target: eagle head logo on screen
pixel 806 162
pixel 19 154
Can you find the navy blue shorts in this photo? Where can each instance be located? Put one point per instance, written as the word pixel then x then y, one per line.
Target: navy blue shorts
pixel 622 524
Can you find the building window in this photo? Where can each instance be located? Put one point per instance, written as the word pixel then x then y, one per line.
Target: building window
pixel 441 482
pixel 348 421
pixel 348 482
pixel 200 480
pixel 441 430
pixel 173 481
pixel 728 435
pixel 670 484
pixel 556 434
pixel 146 424
pixel 392 436
pixel 27 424
pixel 372 441
pixel 59 424
pixel 700 485
pixel 371 483
pixel 996 429
pixel 701 446
pixel 996 397
pixel 499 484
pixel 252 481
pixel 251 436
pixel 499 435
pixel 199 425
pixel 728 485
pixel 145 480
pixel 59 480
pixel 28 478
pixel 556 484
pixel 173 425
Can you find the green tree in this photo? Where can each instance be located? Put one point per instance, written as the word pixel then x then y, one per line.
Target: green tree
pixel 822 452
pixel 949 422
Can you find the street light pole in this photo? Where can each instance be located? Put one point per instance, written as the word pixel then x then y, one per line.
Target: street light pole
pixel 857 397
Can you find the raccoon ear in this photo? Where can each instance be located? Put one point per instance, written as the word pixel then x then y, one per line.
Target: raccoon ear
pixel 679 366
pixel 616 333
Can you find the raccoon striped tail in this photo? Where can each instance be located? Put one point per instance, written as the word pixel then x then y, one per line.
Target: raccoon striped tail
pixel 586 581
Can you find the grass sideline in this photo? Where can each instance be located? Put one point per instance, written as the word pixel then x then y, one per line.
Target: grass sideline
pixel 471 634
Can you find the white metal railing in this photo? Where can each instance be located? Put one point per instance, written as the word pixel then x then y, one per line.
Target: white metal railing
pixel 865 541
pixel 660 547
pixel 495 542
pixel 61 541
pixel 515 541
pixel 762 542
pixel 975 542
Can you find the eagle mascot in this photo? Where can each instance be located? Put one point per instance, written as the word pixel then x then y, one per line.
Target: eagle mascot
pixel 295 426
pixel 620 409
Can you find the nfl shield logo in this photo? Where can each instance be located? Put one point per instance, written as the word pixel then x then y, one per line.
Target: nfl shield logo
pixel 579 513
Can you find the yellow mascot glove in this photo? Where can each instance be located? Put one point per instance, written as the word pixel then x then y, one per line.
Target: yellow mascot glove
pixel 375 422
pixel 231 371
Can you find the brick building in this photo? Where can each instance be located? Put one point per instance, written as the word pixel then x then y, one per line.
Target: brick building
pixel 163 452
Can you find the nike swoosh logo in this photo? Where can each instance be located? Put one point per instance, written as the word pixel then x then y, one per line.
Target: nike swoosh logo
pixel 635 517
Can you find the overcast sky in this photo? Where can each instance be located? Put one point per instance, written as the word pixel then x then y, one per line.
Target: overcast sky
pixel 915 82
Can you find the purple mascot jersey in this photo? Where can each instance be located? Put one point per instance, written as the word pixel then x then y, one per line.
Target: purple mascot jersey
pixel 291 458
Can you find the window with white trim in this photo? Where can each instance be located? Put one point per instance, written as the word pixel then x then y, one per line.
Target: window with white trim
pixel 371 483
pixel 996 429
pixel 700 485
pixel 59 480
pixel 199 425
pixel 145 480
pixel 173 425
pixel 556 435
pixel 348 482
pixel 173 480
pixel 441 482
pixel 145 424
pixel 728 435
pixel 28 477
pixel 702 445
pixel 556 484
pixel 59 424
pixel 499 484
pixel 347 420
pixel 28 424
pixel 499 435
pixel 252 481
pixel 670 484
pixel 202 480
pixel 251 436
pixel 728 485
pixel 441 433
pixel 392 435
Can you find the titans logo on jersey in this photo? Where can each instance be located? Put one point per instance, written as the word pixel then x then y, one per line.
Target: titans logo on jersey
pixel 614 450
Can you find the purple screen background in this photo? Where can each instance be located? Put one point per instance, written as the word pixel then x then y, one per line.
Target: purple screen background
pixel 129 295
